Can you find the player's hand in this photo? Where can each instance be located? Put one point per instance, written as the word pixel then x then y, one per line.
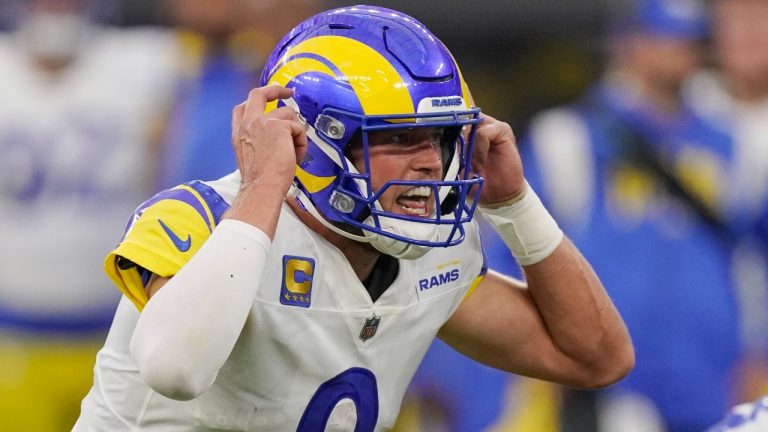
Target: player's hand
pixel 267 146
pixel 497 160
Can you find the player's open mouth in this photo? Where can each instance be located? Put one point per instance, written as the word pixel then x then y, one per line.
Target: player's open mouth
pixel 415 201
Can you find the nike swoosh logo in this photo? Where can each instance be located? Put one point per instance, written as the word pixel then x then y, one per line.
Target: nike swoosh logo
pixel 182 245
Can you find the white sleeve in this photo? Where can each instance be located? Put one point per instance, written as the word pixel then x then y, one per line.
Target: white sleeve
pixel 188 328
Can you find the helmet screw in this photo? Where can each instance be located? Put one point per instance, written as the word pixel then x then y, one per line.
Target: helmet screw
pixel 330 126
pixel 342 202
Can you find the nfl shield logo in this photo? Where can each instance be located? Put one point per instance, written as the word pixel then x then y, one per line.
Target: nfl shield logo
pixel 369 328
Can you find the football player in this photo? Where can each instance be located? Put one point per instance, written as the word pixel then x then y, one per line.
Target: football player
pixel 301 291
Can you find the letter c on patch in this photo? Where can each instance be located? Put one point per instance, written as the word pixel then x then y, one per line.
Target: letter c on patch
pixel 298 275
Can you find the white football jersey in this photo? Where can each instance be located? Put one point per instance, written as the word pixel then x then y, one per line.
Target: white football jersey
pixel 315 353
pixel 75 160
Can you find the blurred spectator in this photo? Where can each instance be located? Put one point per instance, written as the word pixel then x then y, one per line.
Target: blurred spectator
pixel 225 43
pixel 734 95
pixel 74 114
pixel 632 168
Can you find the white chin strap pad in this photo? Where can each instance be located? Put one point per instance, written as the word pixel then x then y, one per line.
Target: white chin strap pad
pixel 398 248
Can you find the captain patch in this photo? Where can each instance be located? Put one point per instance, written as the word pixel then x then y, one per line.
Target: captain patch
pixel 297 281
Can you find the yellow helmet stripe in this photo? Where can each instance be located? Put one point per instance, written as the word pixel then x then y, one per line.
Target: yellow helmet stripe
pixel 293 68
pixel 312 182
pixel 385 93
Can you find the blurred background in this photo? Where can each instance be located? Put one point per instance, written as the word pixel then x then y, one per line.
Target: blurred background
pixel 543 52
pixel 643 126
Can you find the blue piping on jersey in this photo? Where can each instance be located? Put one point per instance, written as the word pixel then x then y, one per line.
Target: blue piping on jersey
pixel 215 202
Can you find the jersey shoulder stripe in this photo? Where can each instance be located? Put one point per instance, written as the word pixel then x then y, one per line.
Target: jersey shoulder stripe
pixel 162 235
pixel 476 236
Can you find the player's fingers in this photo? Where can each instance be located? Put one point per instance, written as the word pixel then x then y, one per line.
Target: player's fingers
pixel 296 125
pixel 237 118
pixel 299 135
pixel 259 97
pixel 283 113
pixel 482 143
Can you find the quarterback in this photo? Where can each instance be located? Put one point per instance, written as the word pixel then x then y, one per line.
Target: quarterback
pixel 301 291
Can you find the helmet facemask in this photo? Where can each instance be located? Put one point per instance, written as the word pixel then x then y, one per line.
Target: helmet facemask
pixel 355 202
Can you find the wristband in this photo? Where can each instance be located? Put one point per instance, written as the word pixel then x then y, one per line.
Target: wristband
pixel 526 227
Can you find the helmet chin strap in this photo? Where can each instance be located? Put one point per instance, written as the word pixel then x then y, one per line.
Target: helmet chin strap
pixel 294 192
pixel 399 248
pixel 386 245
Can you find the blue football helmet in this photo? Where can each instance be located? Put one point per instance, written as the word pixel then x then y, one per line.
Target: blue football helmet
pixel 361 69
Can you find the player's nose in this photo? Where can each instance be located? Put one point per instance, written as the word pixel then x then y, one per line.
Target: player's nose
pixel 427 156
